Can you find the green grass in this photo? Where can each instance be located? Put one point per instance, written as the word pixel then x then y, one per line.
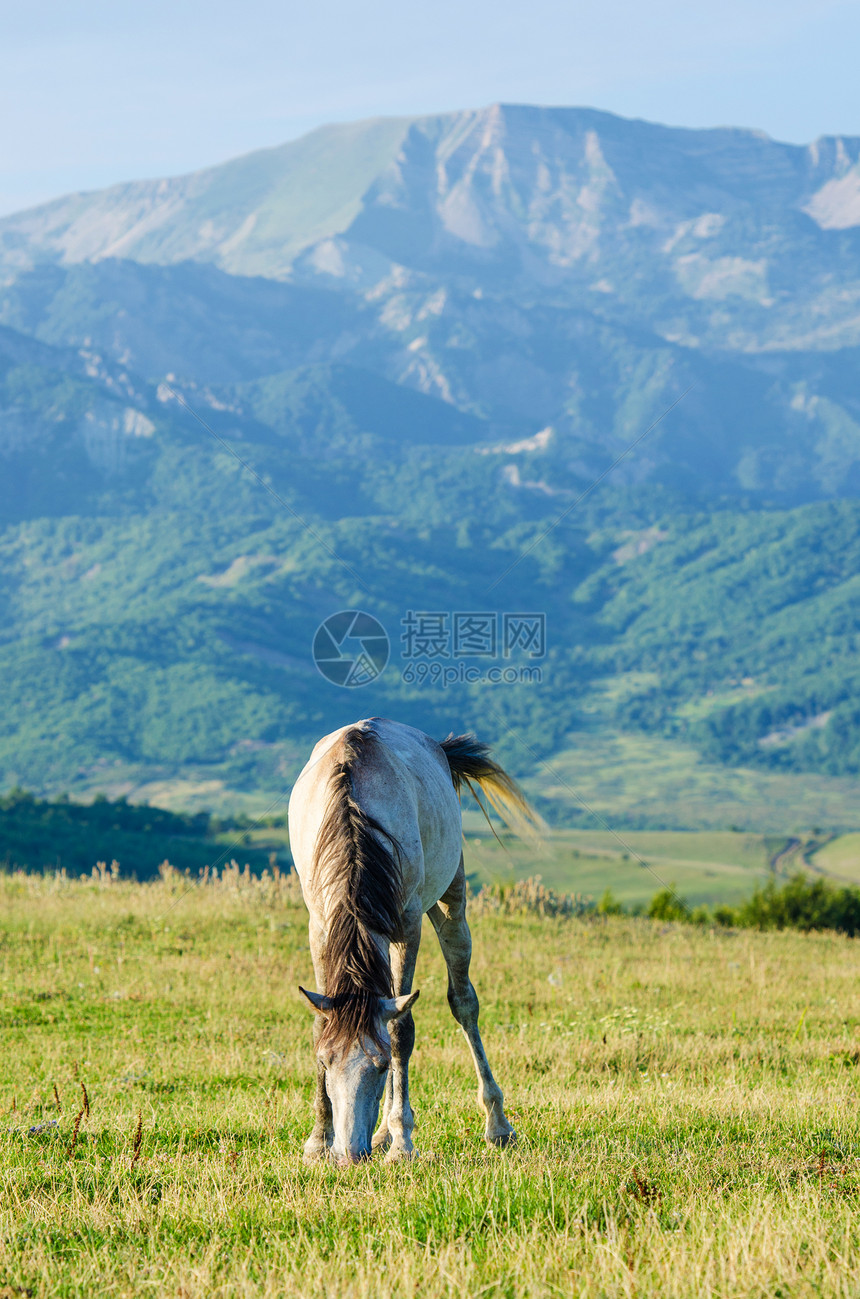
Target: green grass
pixel 840 858
pixel 686 1102
pixel 705 866
pixel 643 780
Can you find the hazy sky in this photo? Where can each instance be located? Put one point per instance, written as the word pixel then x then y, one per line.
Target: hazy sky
pixel 94 91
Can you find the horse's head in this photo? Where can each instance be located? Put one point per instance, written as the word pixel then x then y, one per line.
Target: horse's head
pixel 355 1074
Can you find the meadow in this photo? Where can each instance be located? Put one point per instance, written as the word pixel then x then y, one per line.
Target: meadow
pixel 686 1101
pixel 704 866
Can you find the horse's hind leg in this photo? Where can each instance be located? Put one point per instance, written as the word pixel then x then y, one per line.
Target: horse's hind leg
pixel 449 920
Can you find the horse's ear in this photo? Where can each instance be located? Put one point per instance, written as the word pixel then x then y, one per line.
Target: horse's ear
pixel 396 1007
pixel 318 1003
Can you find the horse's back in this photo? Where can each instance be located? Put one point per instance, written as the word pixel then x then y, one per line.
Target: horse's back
pixel 404 782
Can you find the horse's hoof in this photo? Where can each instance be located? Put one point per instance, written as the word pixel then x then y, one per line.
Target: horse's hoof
pixel 381 1140
pixel 502 1139
pixel 400 1154
pixel 314 1151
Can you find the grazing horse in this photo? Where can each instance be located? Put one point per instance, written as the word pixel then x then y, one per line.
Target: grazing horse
pixel 376 836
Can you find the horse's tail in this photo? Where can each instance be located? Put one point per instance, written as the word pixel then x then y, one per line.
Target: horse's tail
pixel 470 761
pixel 360 862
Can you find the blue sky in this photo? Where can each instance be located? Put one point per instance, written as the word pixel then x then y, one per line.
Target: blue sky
pixel 93 92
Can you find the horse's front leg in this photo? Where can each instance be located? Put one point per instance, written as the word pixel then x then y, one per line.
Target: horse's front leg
pixel 322 1135
pixel 448 917
pixel 398 1119
pixel 381 1137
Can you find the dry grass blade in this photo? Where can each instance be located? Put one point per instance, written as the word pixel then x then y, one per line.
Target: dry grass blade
pixel 75 1130
pixel 57 1097
pixel 270 1112
pixel 527 897
pixel 86 1100
pixel 138 1139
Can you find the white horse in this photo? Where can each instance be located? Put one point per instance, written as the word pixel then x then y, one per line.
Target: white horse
pixel 376 836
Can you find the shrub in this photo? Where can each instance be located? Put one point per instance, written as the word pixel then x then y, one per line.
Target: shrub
pixel 666 905
pixel 609 905
pixel 802 903
pixel 725 915
pixel 799 903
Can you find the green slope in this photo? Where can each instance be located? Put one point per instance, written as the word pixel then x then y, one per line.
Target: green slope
pixel 250 216
pixel 635 780
pixel 749 623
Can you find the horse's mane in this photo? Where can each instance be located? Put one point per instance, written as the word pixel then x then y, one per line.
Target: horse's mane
pixel 359 863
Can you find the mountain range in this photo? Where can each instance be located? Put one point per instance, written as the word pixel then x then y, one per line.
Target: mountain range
pixel 373 368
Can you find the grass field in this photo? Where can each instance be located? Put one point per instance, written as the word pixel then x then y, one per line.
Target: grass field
pixel 840 858
pixel 636 780
pixel 686 1102
pixel 705 866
